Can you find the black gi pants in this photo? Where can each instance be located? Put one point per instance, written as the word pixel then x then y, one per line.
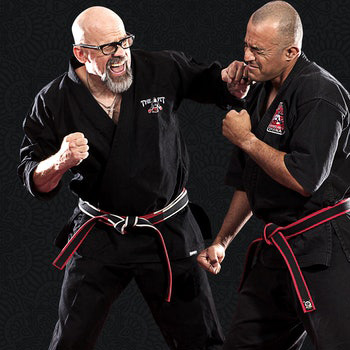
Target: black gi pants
pixel 269 317
pixel 89 288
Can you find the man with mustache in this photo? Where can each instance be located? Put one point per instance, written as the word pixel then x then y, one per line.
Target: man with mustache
pixel 111 120
pixel 290 167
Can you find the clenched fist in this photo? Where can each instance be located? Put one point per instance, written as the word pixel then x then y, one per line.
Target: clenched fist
pixel 74 149
pixel 48 173
pixel 236 127
pixel 210 259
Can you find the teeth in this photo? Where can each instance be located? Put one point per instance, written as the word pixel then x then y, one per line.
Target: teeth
pixel 116 64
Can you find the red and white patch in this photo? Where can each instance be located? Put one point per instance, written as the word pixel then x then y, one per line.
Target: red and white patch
pixel 276 125
pixel 155 104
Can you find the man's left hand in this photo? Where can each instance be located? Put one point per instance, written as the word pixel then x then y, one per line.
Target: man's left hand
pixel 211 258
pixel 236 127
pixel 236 77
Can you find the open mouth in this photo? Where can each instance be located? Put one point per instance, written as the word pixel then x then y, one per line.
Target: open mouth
pixel 118 68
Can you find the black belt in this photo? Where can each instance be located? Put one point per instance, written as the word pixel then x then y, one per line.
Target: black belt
pixel 121 224
pixel 279 236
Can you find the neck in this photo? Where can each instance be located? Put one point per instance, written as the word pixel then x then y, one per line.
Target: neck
pixel 108 100
pixel 97 87
pixel 94 84
pixel 278 81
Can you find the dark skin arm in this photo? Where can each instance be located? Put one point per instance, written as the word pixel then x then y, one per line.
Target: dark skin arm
pixel 235 76
pixel 236 128
pixel 238 214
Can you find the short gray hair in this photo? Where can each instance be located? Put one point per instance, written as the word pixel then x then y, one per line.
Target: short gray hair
pixel 290 27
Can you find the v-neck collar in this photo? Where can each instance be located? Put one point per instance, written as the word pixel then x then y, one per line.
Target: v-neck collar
pixel 266 118
pixel 95 112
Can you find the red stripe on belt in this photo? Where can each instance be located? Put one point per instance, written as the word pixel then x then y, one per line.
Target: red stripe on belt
pixel 121 224
pixel 278 236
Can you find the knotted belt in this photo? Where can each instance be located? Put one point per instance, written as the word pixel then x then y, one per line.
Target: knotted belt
pixel 121 224
pixel 279 236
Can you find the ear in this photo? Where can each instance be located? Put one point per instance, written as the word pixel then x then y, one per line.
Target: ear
pixel 292 52
pixel 79 54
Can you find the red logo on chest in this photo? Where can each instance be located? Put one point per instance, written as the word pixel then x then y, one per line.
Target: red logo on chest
pixel 155 106
pixel 276 125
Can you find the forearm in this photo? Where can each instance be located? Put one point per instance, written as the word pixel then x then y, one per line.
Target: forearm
pixel 48 174
pixel 74 149
pixel 238 214
pixel 271 161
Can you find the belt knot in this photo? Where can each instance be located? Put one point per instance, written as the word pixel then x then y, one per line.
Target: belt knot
pixel 128 222
pixel 269 231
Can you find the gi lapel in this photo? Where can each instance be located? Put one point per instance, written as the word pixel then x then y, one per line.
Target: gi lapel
pixel 91 112
pixel 118 168
pixel 83 114
pixel 259 126
pixel 266 119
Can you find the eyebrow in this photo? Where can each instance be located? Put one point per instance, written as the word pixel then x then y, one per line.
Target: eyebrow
pixel 253 47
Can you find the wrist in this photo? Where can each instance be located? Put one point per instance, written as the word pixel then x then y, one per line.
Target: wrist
pixel 220 242
pixel 248 142
pixel 60 163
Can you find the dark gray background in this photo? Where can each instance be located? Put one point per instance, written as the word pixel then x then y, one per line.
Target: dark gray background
pixel 35 45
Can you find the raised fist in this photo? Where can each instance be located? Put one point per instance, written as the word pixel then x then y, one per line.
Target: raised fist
pixel 74 149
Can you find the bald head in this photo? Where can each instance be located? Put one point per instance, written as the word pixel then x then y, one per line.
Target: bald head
pixel 285 18
pixel 94 23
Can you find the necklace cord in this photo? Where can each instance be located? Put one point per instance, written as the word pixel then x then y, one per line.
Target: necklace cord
pixel 108 108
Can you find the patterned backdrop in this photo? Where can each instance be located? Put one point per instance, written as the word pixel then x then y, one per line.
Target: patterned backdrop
pixel 35 45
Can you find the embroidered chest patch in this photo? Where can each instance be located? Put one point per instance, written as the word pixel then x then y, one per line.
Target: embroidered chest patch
pixel 276 125
pixel 153 104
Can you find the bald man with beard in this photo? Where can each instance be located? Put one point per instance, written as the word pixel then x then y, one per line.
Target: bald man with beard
pixel 111 120
pixel 291 168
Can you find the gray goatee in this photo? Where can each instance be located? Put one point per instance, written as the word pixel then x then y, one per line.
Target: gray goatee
pixel 117 84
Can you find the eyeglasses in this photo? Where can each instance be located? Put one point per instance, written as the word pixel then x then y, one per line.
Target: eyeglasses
pixel 111 48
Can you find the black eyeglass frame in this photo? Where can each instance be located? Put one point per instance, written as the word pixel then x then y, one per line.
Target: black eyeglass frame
pixel 115 44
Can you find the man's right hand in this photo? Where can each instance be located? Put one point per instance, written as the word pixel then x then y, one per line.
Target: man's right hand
pixel 74 149
pixel 48 173
pixel 210 258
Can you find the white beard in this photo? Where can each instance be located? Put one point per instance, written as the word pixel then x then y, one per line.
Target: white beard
pixel 117 84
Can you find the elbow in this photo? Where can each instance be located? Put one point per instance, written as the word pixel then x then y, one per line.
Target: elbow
pixel 304 193
pixel 301 189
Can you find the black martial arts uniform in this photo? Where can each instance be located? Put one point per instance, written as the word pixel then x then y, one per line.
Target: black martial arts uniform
pixel 309 120
pixel 134 168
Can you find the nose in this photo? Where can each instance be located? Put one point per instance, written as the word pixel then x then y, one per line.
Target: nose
pixel 120 52
pixel 248 55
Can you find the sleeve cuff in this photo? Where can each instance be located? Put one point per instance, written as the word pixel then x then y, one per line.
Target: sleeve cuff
pixel 234 181
pixel 298 175
pixel 229 101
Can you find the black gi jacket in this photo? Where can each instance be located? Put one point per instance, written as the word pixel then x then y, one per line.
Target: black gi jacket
pixel 135 167
pixel 309 120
